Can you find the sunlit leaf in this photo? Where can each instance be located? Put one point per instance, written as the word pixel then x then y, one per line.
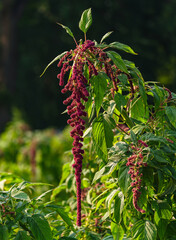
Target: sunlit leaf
pixel 54 60
pixel 121 46
pixel 106 36
pixel 102 136
pixel 99 83
pixel 86 20
pixel 40 227
pixel 68 30
pixel 144 230
pixel 118 61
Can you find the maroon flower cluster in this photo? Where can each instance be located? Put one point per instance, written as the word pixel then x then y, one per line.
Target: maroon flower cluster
pixel 136 162
pixel 77 86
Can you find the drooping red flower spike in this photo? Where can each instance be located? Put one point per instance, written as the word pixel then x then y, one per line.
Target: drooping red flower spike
pixel 135 161
pixel 75 61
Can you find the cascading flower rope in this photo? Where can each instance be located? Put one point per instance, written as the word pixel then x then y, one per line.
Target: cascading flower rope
pixel 77 85
pixel 135 162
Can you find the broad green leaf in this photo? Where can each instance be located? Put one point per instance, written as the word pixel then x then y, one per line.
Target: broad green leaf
pixel 117 231
pixel 102 136
pixel 124 179
pixel 90 107
pixel 123 79
pixel 164 211
pixel 106 36
pixel 160 156
pixel 98 174
pixel 142 90
pixel 134 69
pixel 171 230
pixel 117 60
pixel 101 201
pixel 62 214
pixel 44 194
pixel 22 235
pixel 108 238
pixel 144 230
pixel 171 114
pixel 162 227
pixel 54 60
pixel 138 110
pixel 93 236
pixel 4 235
pixel 67 29
pixel 39 227
pixel 86 20
pixel 120 101
pixel 133 136
pixel 20 195
pixel 57 190
pixel 111 197
pixel 65 172
pixel 99 83
pixel 118 207
pixel 123 47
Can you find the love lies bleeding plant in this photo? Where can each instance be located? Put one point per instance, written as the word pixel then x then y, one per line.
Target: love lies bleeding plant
pixel 130 126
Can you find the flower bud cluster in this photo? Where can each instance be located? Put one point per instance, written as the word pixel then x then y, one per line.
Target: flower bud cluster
pixel 135 162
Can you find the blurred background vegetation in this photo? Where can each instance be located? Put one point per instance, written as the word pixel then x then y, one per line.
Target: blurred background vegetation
pixel 30 39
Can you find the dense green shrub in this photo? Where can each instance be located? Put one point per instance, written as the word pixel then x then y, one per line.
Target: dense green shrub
pixel 120 180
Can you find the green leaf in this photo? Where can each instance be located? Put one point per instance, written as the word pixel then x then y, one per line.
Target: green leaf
pixel 144 230
pixel 117 231
pixel 22 235
pixel 106 36
pixel 171 114
pixel 86 20
pixel 124 179
pixel 120 101
pixel 65 172
pixel 133 136
pixel 99 83
pixel 62 214
pixel 44 194
pixel 108 238
pixel 20 195
pixel 162 226
pixel 102 136
pixel 93 236
pixel 118 61
pixel 123 79
pixel 164 211
pixel 118 207
pixel 142 91
pixel 123 47
pixel 138 110
pixel 159 156
pixel 4 235
pixel 111 197
pixel 98 174
pixel 132 66
pixel 39 227
pixel 54 60
pixel 67 30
